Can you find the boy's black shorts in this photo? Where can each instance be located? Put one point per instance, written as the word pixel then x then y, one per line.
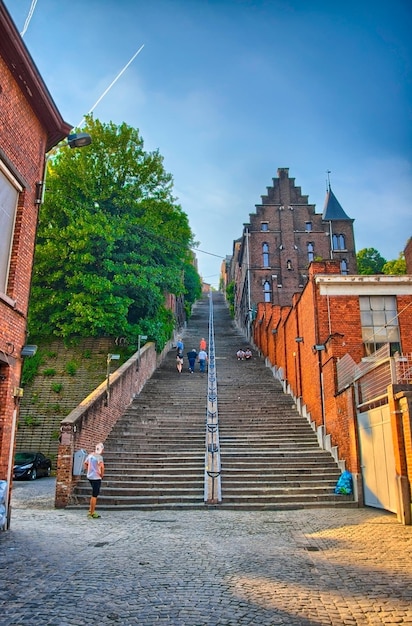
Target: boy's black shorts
pixel 96 484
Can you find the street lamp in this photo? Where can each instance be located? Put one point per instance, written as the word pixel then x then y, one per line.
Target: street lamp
pixel 140 337
pixel 74 140
pixel 110 357
pixel 79 140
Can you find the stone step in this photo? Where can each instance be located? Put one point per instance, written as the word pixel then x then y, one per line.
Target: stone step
pixel 270 459
pixel 256 501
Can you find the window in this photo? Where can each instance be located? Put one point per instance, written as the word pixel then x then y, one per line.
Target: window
pixel 338 242
pixel 9 192
pixel 344 267
pixel 308 227
pixel 265 255
pixel 267 292
pixel 379 322
pixel 264 226
pixel 311 252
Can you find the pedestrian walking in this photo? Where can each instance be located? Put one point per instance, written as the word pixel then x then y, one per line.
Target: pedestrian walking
pixel 179 360
pixel 180 344
pixel 192 356
pixel 202 358
pixel 94 466
pixel 202 344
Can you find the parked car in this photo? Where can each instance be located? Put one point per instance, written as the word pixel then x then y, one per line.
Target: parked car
pixel 31 465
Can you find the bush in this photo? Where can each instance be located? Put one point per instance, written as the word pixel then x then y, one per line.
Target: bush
pixel 57 387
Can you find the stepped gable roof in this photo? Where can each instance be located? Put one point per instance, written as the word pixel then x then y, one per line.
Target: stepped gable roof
pixel 332 209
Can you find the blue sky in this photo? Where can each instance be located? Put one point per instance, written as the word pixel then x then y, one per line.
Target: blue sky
pixel 231 90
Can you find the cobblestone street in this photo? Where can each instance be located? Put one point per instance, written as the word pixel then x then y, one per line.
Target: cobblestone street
pixel 197 568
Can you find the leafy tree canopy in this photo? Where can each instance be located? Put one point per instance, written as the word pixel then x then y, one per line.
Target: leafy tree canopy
pixel 370 261
pixel 396 267
pixel 111 241
pixel 193 284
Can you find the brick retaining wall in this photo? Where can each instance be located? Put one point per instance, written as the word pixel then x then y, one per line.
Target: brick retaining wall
pixel 93 419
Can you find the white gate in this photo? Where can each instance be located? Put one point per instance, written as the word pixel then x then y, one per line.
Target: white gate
pixel 377 458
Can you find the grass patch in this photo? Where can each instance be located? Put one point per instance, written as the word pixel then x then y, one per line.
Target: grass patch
pixel 49 372
pixel 71 368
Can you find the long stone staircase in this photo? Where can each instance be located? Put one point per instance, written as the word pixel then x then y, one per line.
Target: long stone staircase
pixel 155 455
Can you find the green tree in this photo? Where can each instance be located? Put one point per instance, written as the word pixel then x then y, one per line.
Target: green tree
pixel 193 284
pixel 230 297
pixel 370 261
pixel 111 240
pixel 397 266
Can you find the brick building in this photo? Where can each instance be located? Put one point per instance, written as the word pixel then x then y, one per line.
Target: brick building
pixel 30 125
pixel 343 349
pixel 270 261
pixel 408 256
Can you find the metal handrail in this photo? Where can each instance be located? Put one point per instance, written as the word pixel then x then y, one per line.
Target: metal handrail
pixel 212 478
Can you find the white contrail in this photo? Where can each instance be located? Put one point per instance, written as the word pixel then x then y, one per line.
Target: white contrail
pixel 111 84
pixel 28 18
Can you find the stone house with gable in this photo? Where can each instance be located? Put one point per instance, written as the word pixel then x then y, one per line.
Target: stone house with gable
pixel 30 125
pixel 283 236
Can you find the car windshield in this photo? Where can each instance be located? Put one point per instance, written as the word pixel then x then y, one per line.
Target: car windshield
pixel 23 457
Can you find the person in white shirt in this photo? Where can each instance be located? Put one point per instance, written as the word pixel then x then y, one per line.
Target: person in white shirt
pixel 94 466
pixel 202 358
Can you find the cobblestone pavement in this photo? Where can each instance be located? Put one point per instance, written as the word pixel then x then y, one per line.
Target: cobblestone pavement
pixel 197 568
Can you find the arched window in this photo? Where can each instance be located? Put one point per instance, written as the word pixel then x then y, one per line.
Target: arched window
pixel 267 291
pixel 265 255
pixel 338 242
pixel 311 252
pixel 344 267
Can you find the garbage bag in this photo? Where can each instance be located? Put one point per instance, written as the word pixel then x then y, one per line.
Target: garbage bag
pixel 3 490
pixel 344 484
pixel 3 511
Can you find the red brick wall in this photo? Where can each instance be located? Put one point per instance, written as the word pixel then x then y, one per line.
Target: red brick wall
pixel 22 142
pixel 408 256
pixel 332 321
pixel 405 323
